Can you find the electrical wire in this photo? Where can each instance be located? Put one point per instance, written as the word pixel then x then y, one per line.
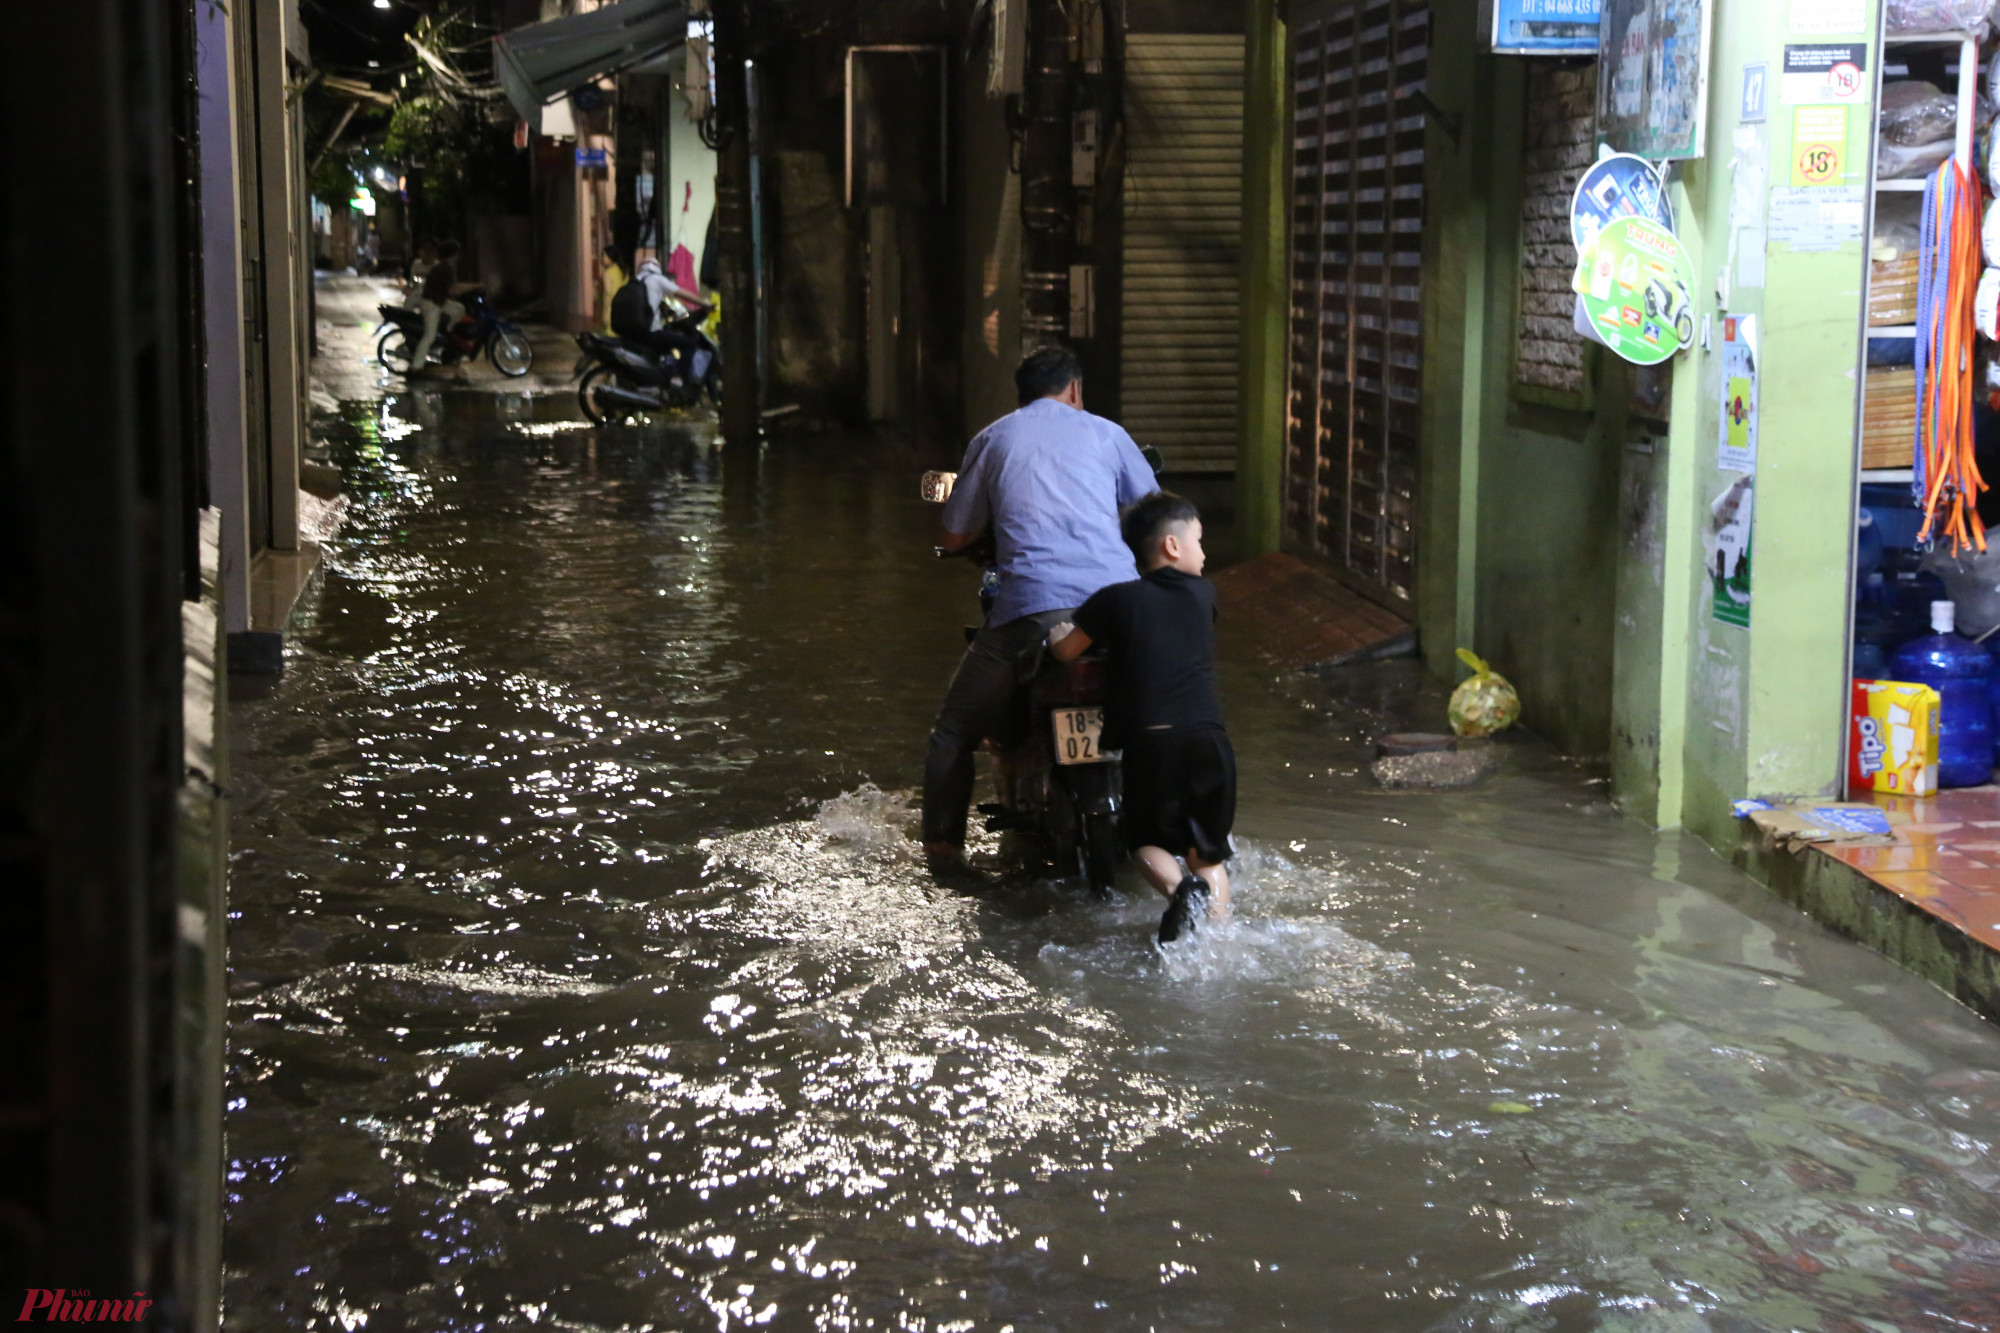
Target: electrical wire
pixel 1946 476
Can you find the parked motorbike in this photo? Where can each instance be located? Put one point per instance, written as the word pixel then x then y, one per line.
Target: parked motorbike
pixel 1059 788
pixel 623 379
pixel 479 330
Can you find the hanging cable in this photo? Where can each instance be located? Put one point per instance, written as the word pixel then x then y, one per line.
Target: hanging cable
pixel 1947 481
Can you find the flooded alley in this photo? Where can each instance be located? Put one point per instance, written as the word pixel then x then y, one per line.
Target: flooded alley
pixel 584 972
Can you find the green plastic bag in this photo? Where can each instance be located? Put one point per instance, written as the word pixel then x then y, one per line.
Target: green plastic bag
pixel 1485 703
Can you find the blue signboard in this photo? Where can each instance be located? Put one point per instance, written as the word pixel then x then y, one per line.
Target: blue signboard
pixel 1545 27
pixel 592 157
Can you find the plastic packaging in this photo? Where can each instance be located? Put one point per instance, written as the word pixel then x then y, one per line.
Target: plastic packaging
pixel 1892 351
pixel 1892 738
pixel 1989 232
pixel 1901 162
pixel 1915 112
pixel 1986 305
pixel 1484 703
pixel 1962 674
pixel 1937 16
pixel 1972 581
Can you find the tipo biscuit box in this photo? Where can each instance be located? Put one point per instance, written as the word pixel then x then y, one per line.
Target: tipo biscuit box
pixel 1892 738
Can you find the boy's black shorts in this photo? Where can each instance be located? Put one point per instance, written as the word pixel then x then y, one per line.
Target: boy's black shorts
pixel 1180 792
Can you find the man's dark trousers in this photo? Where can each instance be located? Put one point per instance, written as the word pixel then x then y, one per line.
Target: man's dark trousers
pixel 985 700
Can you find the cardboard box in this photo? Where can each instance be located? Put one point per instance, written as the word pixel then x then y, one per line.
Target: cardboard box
pixel 1892 738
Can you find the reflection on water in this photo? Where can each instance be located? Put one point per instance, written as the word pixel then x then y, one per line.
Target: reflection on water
pixel 584 974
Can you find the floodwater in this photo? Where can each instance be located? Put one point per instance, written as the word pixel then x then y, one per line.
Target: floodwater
pixel 584 974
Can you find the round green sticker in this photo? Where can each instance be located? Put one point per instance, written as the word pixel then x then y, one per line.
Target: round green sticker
pixel 1637 288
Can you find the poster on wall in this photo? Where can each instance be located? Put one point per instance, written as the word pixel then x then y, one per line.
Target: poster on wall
pixel 1617 185
pixel 1652 77
pixel 1736 442
pixel 1728 548
pixel 1637 287
pixel 1541 27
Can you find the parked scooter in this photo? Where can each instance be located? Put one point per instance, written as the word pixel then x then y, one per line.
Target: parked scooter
pixel 479 330
pixel 623 379
pixel 1059 788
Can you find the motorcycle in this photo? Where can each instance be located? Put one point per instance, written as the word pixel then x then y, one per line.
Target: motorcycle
pixel 1059 788
pixel 480 329
pixel 623 379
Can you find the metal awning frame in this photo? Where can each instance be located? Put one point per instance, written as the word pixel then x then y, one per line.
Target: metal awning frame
pixel 544 61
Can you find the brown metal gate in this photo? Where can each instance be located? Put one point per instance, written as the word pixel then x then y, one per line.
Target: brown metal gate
pixel 1356 354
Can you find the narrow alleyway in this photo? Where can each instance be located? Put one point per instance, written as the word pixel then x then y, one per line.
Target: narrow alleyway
pixel 583 973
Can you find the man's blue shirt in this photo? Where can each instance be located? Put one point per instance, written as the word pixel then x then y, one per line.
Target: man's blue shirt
pixel 1050 479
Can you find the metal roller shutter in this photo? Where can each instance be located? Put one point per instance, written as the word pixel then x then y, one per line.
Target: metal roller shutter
pixel 1183 233
pixel 1356 359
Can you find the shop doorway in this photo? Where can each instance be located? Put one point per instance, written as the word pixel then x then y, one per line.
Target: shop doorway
pixel 1356 263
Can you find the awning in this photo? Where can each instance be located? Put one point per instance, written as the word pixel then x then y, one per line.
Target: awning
pixel 543 61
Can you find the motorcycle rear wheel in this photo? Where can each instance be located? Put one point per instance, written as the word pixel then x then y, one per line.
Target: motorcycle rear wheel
pixel 511 353
pixel 598 411
pixel 392 353
pixel 1100 852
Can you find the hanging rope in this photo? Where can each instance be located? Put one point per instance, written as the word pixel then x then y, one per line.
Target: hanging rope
pixel 1947 482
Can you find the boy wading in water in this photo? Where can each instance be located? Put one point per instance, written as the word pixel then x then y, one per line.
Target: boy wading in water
pixel 1161 709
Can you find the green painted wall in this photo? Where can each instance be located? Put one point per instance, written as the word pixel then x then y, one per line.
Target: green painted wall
pixel 1544 520
pixel 1260 454
pixel 1765 706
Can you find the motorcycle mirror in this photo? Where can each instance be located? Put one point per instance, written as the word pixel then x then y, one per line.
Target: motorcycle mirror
pixel 936 486
pixel 1153 459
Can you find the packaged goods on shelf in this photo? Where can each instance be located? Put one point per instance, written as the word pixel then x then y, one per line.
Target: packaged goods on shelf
pixel 1892 742
pixel 1900 162
pixel 1888 417
pixel 1901 16
pixel 1892 291
pixel 1915 112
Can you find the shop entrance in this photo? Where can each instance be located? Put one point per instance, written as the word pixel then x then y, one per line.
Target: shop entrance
pixel 1356 355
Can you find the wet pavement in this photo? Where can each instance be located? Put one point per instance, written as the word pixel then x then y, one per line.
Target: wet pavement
pixel 584 975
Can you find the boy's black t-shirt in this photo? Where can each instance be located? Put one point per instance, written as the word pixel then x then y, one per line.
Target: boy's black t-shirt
pixel 1160 633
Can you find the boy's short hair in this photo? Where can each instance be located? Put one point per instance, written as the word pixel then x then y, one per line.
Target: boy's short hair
pixel 1045 372
pixel 1146 520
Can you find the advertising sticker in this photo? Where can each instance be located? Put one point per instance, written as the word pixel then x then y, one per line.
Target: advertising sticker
pixel 1638 290
pixel 1736 445
pixel 1617 185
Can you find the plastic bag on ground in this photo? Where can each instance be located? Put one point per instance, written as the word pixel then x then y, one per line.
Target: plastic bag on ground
pixel 1483 703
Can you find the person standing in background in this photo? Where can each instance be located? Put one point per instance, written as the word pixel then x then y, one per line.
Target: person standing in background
pixel 613 277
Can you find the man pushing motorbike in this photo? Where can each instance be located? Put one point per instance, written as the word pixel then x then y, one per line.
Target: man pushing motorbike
pixel 1048 479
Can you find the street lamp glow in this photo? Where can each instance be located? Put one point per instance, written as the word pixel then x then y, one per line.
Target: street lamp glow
pixel 381 4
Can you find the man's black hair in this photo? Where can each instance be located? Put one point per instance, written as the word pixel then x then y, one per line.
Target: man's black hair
pixel 1045 372
pixel 447 249
pixel 1146 520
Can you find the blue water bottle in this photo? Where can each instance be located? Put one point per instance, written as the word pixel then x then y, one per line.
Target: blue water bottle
pixel 1961 672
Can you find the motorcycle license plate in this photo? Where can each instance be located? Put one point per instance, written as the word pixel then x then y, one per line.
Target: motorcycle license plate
pixel 1077 734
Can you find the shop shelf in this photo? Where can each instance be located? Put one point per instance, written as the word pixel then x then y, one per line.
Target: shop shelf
pixel 1888 474
pixel 1911 186
pixel 1892 330
pixel 1926 38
